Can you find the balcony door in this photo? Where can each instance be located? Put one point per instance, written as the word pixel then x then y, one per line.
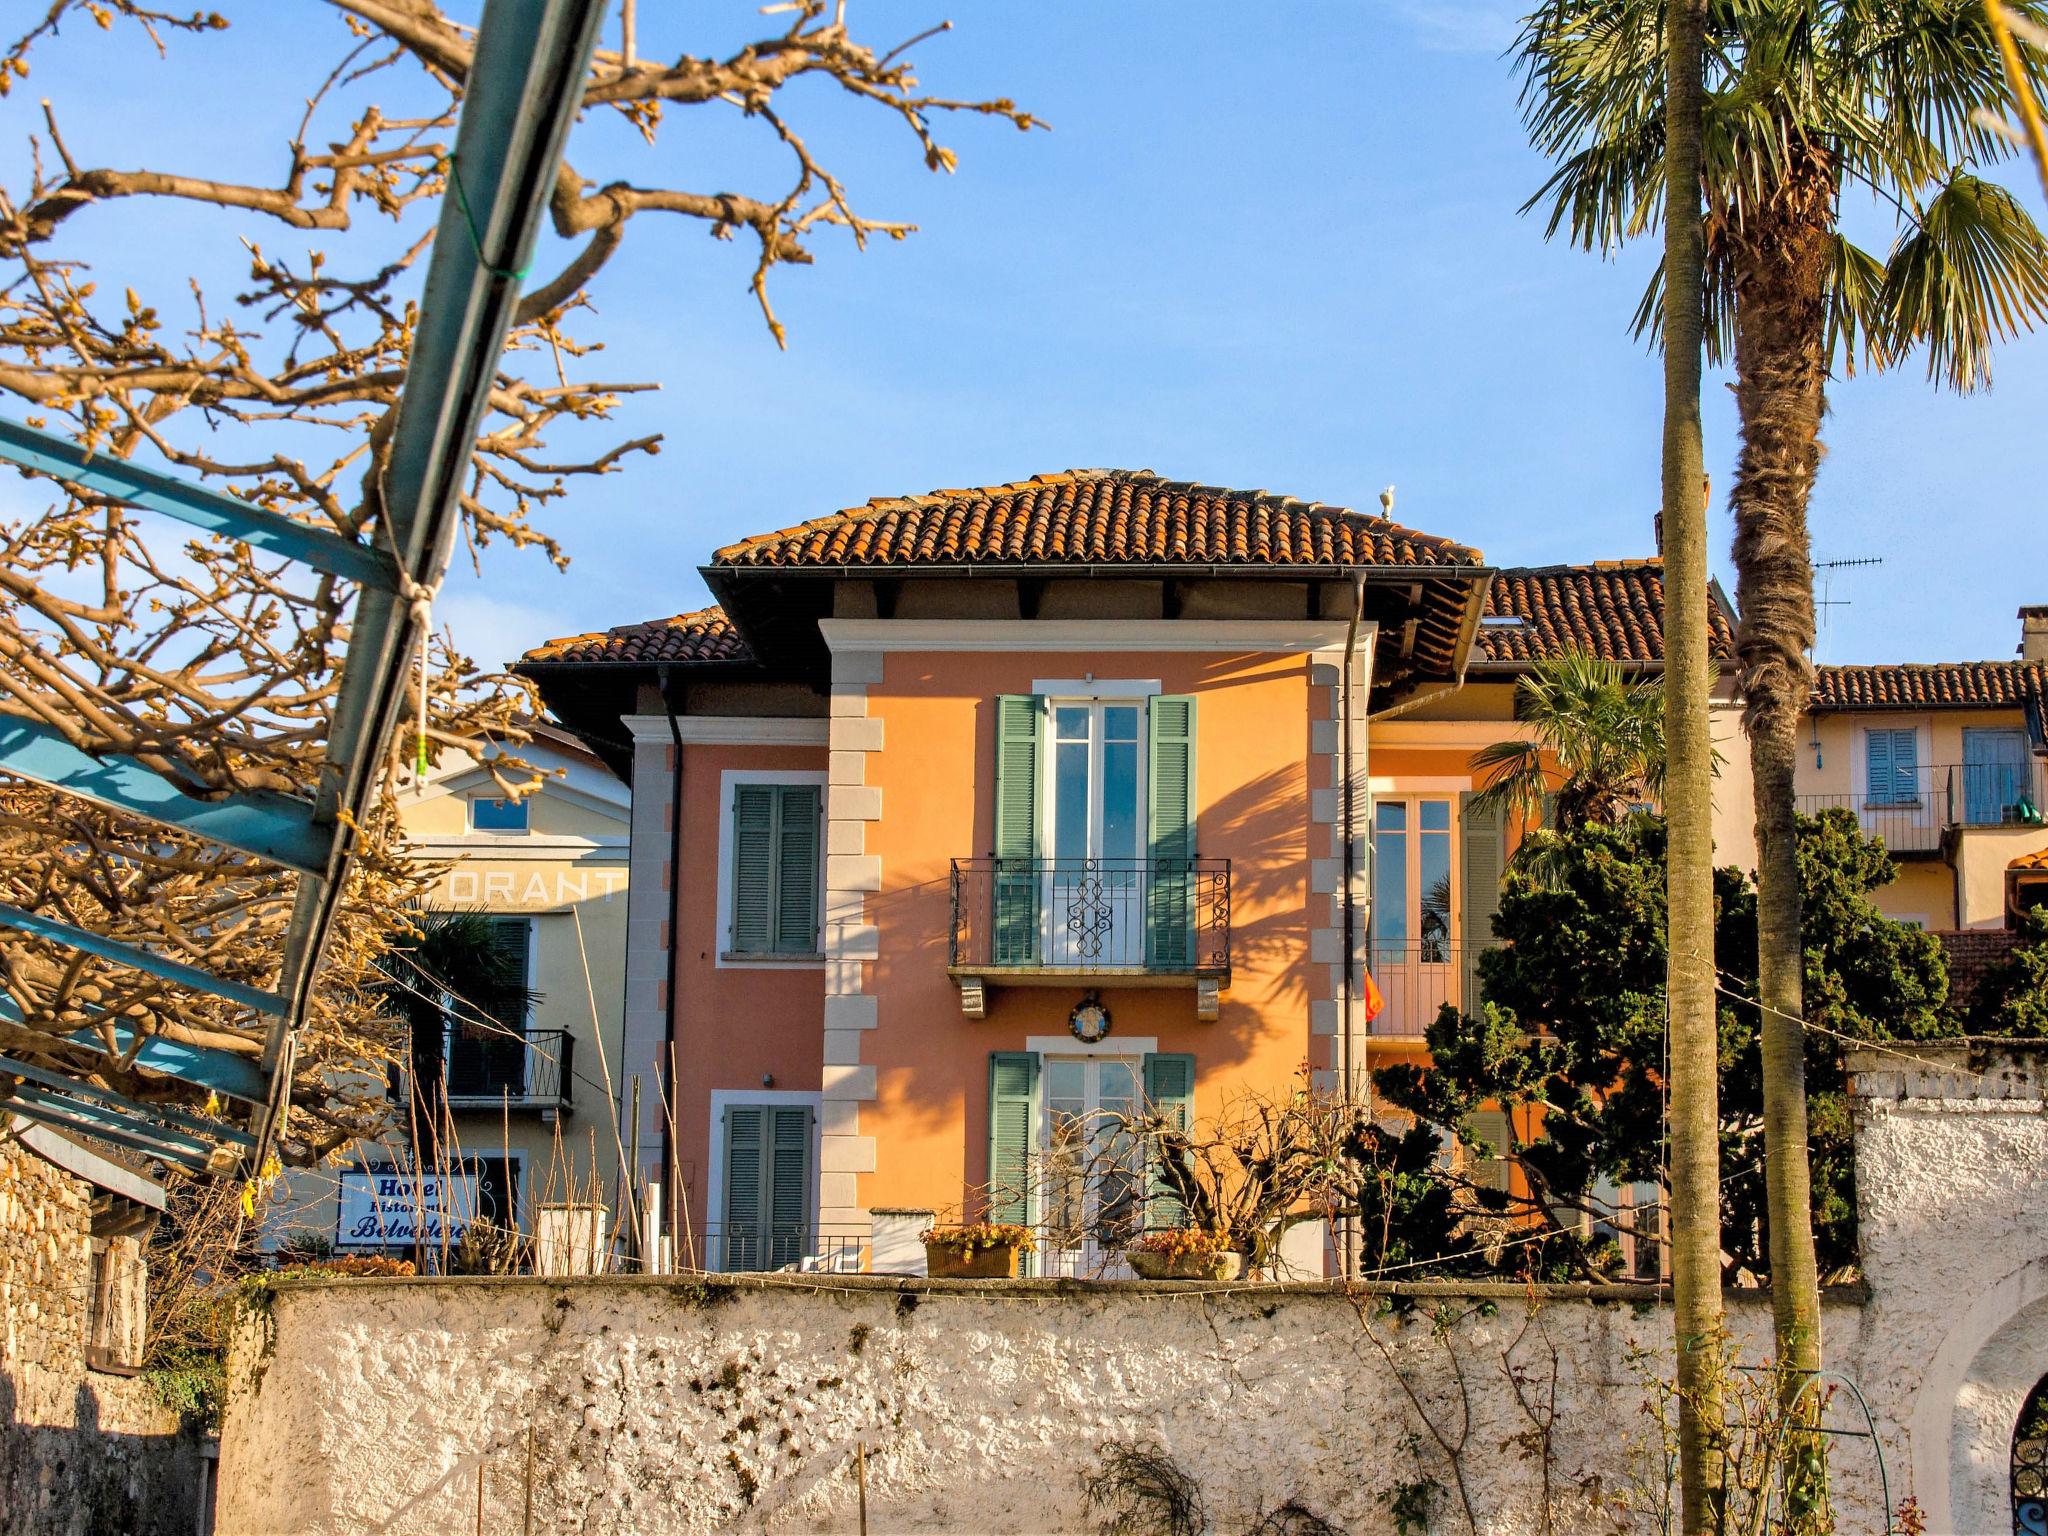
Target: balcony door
pixel 1994 775
pixel 486 1045
pixel 1094 1165
pixel 1095 879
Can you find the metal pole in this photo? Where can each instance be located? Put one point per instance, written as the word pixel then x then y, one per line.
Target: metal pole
pixel 860 1470
pixel 526 1521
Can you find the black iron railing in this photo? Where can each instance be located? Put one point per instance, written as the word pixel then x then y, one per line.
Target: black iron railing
pixel 756 1246
pixel 1921 803
pixel 530 1071
pixel 1092 916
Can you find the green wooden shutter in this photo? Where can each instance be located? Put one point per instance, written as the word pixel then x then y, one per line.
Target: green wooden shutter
pixel 1016 876
pixel 1170 1094
pixel 1012 1119
pixel 1484 835
pixel 788 1183
pixel 746 1214
pixel 1170 812
pixel 796 870
pixel 1490 1126
pixel 753 868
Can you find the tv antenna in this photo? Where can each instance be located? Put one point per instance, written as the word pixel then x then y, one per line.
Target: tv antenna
pixel 1825 571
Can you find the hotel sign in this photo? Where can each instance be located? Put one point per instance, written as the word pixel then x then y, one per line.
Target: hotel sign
pixel 389 1206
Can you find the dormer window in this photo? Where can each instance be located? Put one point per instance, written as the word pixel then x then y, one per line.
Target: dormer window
pixel 489 815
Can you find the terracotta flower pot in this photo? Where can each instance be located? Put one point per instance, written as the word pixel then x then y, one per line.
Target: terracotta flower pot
pixel 1186 1266
pixel 948 1261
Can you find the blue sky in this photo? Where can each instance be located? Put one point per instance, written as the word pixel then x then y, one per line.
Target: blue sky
pixel 1264 246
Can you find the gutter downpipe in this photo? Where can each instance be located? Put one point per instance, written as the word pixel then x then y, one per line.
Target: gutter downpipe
pixel 671 984
pixel 1348 1229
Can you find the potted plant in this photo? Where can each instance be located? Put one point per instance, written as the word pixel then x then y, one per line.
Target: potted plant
pixel 1185 1253
pixel 982 1250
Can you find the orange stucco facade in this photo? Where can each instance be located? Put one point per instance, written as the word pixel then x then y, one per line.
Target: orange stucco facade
pixel 936 774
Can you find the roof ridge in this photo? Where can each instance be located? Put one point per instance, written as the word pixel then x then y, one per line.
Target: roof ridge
pixel 1637 563
pixel 877 509
pixel 1923 666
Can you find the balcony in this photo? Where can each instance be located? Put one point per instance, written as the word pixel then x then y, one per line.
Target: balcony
pixel 1925 804
pixel 1050 922
pixel 533 1072
pixel 1416 980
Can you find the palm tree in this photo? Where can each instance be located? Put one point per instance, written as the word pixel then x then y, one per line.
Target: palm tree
pixel 1693 1159
pixel 1595 749
pixel 1806 100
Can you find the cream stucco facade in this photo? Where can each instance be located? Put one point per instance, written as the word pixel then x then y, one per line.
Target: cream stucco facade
pixel 547 1112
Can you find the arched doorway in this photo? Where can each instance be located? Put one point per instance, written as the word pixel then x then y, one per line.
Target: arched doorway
pixel 2030 1464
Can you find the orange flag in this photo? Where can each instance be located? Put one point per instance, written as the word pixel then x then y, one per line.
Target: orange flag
pixel 1372 999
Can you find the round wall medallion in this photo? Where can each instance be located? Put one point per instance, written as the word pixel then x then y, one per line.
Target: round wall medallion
pixel 1089 1020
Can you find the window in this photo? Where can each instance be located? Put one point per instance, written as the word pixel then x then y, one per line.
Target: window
pixel 1411 908
pixel 1060 1157
pixel 117 1315
pixel 774 895
pixel 488 815
pixel 767 1188
pixel 1095 863
pixel 1891 756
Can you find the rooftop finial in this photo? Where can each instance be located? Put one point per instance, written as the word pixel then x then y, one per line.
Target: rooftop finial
pixel 1387 502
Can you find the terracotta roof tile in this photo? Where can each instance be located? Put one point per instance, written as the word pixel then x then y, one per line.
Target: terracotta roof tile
pixel 1099 516
pixel 706 635
pixel 1937 685
pixel 1613 609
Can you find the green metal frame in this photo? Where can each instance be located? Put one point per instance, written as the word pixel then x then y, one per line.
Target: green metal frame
pixel 523 90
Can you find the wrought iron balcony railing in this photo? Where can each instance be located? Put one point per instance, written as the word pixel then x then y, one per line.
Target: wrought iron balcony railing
pixel 1913 812
pixel 1092 917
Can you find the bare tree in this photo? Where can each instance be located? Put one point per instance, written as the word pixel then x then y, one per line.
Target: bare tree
pixel 217 667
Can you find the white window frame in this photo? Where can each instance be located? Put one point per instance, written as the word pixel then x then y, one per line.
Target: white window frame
pixel 1412 797
pixel 1048 767
pixel 721 951
pixel 470 803
pixel 723 1099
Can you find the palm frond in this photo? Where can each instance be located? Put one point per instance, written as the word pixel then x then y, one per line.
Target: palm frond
pixel 1972 271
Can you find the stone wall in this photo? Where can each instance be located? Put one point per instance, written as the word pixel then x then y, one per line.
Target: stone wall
pixel 669 1406
pixel 657 1406
pixel 81 1451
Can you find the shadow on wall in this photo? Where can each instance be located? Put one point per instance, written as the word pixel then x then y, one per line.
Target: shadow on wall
pixel 82 1479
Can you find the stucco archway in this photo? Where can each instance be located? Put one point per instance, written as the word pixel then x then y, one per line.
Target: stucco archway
pixel 1969 1401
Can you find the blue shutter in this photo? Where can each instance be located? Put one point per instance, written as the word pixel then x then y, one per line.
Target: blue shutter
pixel 1170 815
pixel 1012 1120
pixel 1170 1094
pixel 1891 767
pixel 1016 876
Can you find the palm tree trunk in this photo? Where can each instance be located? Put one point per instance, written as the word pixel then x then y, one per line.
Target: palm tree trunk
pixel 1695 1154
pixel 1782 253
